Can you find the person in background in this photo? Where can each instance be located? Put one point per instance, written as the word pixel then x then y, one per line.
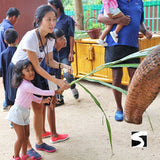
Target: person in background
pixel 67 24
pixel 36 45
pixel 19 113
pixel 127 43
pixel 10 21
pixel 10 38
pixel 60 43
pixel 111 10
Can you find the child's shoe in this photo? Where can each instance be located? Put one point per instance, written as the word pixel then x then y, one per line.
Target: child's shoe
pixel 17 158
pixel 11 125
pixel 114 36
pixel 101 42
pixel 26 156
pixel 33 153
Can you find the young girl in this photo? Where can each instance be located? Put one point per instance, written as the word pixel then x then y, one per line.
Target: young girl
pixel 19 113
pixel 111 10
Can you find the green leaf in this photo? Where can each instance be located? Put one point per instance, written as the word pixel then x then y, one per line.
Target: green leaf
pixel 149 121
pixel 98 104
pixel 107 84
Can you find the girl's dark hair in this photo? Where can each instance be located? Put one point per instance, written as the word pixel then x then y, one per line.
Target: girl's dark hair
pixel 57 4
pixel 17 72
pixel 10 35
pixel 58 32
pixel 41 11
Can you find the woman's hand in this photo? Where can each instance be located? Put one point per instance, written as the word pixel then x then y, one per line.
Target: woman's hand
pixel 67 68
pixel 63 84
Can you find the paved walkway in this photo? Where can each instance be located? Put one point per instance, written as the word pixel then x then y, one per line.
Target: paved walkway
pixel 82 120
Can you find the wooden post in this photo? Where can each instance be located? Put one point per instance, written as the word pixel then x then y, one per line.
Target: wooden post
pixel 79 17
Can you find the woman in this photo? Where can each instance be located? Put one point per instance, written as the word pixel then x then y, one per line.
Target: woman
pixel 35 45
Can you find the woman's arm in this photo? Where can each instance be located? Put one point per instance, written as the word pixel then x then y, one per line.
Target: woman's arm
pixel 54 64
pixel 34 60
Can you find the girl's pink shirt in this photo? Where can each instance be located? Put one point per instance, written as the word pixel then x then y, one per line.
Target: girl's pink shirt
pixel 107 4
pixel 25 91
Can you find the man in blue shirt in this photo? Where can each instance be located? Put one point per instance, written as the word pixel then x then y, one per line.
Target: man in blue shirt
pixel 67 24
pixel 9 22
pixel 11 19
pixel 127 43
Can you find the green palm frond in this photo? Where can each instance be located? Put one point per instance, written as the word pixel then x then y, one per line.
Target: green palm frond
pixel 99 105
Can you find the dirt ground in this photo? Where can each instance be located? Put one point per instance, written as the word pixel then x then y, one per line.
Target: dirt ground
pixel 89 139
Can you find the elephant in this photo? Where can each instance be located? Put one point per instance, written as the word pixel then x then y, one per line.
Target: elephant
pixel 144 87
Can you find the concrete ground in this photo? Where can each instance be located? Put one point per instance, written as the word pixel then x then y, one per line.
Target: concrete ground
pixel 89 140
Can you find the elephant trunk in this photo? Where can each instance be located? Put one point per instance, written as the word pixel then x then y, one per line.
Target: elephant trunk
pixel 144 87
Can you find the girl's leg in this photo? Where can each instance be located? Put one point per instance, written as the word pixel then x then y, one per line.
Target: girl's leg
pixel 38 121
pixel 26 139
pixel 20 131
pixel 119 26
pixel 105 32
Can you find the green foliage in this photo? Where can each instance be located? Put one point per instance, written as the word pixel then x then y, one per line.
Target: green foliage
pixel 68 5
pixel 80 34
pixel 95 25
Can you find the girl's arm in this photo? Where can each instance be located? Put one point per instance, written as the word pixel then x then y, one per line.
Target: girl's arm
pixel 37 99
pixel 41 100
pixel 34 60
pixel 30 88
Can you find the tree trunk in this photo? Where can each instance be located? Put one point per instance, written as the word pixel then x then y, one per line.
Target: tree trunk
pixel 79 17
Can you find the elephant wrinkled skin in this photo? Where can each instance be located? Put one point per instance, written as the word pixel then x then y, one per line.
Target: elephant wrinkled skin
pixel 143 88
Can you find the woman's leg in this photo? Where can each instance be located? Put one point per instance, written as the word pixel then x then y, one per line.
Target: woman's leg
pixel 20 131
pixel 51 119
pixel 55 137
pixel 44 117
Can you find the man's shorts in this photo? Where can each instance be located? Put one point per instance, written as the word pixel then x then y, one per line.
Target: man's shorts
pixel 117 52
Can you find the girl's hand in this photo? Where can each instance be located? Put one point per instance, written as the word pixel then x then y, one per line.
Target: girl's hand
pixel 59 91
pixel 63 84
pixel 53 102
pixel 46 100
